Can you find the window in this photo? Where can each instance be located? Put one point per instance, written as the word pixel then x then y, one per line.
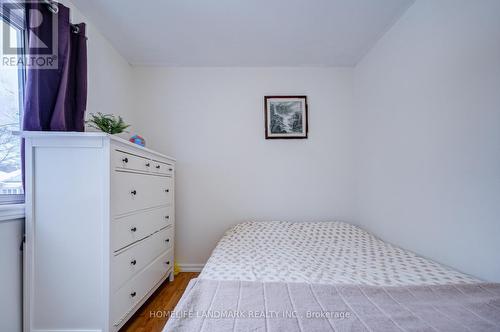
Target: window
pixel 11 102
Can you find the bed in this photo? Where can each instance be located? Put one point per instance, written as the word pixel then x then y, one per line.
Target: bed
pixel 328 276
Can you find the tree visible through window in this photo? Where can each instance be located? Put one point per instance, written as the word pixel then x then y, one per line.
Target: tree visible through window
pixel 11 101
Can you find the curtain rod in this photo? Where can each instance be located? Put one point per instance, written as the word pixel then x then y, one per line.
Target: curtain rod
pixel 54 8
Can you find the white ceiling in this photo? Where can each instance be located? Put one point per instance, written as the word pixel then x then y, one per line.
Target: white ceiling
pixel 243 32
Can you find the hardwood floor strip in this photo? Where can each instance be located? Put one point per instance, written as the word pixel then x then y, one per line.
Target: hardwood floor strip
pixel 151 317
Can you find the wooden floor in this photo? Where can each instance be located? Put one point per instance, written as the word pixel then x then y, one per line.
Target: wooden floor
pixel 163 300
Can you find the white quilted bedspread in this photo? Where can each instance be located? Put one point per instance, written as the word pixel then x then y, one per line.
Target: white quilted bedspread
pixel 322 252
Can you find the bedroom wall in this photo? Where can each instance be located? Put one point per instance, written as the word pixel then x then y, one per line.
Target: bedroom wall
pixel 109 74
pixel 11 277
pixel 427 130
pixel 212 121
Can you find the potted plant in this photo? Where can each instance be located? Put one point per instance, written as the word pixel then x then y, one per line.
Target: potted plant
pixel 107 123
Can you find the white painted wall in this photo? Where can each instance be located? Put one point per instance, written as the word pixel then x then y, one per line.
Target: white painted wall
pixel 423 148
pixel 212 120
pixel 109 74
pixel 427 134
pixel 11 235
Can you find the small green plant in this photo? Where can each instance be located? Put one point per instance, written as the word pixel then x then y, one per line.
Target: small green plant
pixel 107 123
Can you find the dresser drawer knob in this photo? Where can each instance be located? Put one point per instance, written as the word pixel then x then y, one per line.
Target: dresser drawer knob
pixel 168 262
pixel 167 190
pixel 167 217
pixel 134 192
pixel 133 262
pixel 125 160
pixel 133 294
pixel 157 166
pixel 167 240
pixel 133 229
pixel 148 164
pixel 170 169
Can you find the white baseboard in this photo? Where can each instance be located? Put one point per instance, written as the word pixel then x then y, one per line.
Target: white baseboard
pixel 191 267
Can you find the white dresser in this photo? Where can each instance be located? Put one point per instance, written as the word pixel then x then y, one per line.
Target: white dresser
pixel 99 230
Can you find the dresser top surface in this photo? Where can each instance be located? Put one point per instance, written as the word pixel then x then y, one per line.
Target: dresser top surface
pixel 73 134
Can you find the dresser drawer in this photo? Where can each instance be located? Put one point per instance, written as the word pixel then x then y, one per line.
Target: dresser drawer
pixel 134 227
pixel 162 168
pixel 132 260
pixel 127 161
pixel 131 191
pixel 126 298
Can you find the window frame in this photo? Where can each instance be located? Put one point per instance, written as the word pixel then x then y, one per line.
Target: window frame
pixel 15 199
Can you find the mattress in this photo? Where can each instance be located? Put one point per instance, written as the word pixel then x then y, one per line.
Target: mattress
pixel 320 252
pixel 215 306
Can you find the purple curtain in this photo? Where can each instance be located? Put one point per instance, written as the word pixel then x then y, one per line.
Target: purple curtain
pixel 56 98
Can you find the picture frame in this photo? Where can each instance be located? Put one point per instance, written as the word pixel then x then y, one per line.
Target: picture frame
pixel 286 117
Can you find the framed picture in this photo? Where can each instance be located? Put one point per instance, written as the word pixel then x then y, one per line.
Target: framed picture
pixel 286 116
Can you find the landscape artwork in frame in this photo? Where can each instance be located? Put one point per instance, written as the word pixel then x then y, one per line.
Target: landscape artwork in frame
pixel 286 116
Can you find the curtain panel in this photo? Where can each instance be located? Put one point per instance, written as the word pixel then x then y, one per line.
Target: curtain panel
pixel 55 98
